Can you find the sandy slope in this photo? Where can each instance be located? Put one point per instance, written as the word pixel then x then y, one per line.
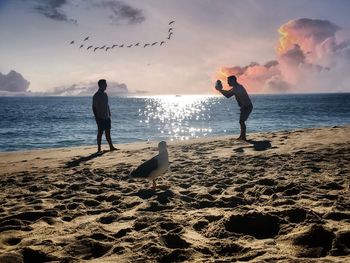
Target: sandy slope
pixel 283 197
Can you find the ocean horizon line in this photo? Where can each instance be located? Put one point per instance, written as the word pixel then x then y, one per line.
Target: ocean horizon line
pixel 133 95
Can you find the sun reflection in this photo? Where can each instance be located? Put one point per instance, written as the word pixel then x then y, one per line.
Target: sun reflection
pixel 177 117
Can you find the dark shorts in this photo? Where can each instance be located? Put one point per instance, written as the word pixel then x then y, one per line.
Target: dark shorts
pixel 103 124
pixel 245 112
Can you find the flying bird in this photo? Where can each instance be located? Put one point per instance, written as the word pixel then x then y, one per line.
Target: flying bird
pixel 154 167
pixel 161 43
pixel 72 42
pixel 96 48
pixel 171 22
pixel 170 29
pixel 137 44
pixel 154 43
pixel 145 45
pixel 89 47
pixel 129 46
pixel 87 38
pixel 81 46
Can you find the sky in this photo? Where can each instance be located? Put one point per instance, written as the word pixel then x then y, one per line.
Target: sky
pixel 272 46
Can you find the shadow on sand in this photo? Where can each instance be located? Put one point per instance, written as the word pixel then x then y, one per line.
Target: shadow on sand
pixel 256 145
pixel 77 162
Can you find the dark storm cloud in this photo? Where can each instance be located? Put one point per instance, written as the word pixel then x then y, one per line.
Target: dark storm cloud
pixel 52 9
pixel 119 12
pixel 13 82
pixel 122 13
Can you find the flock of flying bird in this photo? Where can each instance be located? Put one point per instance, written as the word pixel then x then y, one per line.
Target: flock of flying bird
pixel 106 48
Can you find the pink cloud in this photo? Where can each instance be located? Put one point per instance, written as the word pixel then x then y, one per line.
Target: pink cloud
pixel 309 57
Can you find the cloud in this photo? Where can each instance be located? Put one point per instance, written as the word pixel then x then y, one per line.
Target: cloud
pixel 52 9
pixel 122 13
pixel 310 56
pixel 254 76
pixel 13 82
pixel 88 89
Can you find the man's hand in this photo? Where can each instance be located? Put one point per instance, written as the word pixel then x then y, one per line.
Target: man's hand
pixel 218 85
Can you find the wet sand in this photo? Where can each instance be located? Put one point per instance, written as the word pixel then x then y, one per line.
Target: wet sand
pixel 282 197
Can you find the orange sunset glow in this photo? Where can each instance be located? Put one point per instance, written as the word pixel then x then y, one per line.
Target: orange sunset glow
pixel 305 53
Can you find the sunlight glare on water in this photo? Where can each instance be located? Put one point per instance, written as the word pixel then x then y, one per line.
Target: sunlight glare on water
pixel 177 117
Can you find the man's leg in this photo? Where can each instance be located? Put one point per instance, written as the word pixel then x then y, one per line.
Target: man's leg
pixel 243 130
pixel 109 140
pixel 245 112
pixel 99 139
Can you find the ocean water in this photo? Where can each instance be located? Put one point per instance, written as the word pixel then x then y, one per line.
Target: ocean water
pixel 45 122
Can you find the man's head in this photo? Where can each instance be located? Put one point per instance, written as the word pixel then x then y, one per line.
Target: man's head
pixel 102 84
pixel 232 80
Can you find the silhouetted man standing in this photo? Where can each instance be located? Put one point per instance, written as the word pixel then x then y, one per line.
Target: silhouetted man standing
pixel 242 98
pixel 102 115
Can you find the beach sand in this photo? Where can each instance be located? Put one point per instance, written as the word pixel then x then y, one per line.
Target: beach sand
pixel 283 197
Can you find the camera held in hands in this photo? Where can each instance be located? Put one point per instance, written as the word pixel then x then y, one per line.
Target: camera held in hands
pixel 218 85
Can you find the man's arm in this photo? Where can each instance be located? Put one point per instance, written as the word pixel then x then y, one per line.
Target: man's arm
pixel 227 93
pixel 93 107
pixel 94 110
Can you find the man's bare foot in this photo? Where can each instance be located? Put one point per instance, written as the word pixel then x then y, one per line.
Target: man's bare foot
pixel 113 149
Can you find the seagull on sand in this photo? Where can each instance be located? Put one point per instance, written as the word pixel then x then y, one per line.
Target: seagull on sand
pixel 137 44
pixel 129 46
pixel 96 48
pixel 171 22
pixel 154 43
pixel 145 45
pixel 107 48
pixel 154 167
pixel 170 29
pixel 87 38
pixel 121 45
pixel 89 47
pixel 114 46
pixel 103 47
pixel 72 42
pixel 81 46
pixel 161 43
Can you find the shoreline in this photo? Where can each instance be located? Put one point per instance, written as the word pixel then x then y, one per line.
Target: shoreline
pixel 284 196
pixel 39 158
pixel 191 140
